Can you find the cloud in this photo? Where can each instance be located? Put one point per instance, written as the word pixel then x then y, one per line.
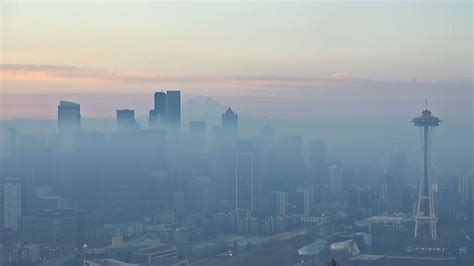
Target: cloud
pixel 243 83
pixel 341 75
pixel 97 75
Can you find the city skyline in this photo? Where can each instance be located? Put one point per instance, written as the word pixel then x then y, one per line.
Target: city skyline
pixel 236 133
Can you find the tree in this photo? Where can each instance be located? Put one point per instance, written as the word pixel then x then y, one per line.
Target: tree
pixel 332 262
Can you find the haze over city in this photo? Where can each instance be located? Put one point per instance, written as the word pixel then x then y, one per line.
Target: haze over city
pixel 218 133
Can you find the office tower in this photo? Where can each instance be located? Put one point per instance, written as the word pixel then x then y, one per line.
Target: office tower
pixel 335 177
pixel 229 126
pixel 166 110
pixel 157 116
pixel 466 188
pixel 160 103
pixel 425 212
pixel 197 132
pixel 69 117
pixel 279 203
pixel 300 201
pixel 173 109
pixel 12 202
pixel 125 119
pixel 244 181
pixel 154 118
pixel 448 203
pixel 267 133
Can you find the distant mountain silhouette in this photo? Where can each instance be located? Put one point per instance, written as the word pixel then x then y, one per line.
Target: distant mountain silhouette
pixel 202 108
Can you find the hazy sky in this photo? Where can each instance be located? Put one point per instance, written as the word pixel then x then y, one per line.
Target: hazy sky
pixel 226 49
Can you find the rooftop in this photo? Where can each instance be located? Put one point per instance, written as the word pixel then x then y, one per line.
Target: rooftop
pixel 426 119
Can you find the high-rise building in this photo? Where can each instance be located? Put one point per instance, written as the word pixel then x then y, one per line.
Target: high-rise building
pixel 12 202
pixel 160 103
pixel 230 128
pixel 300 201
pixel 466 188
pixel 154 118
pixel 69 117
pixel 267 133
pixel 126 119
pixel 279 203
pixel 173 109
pixel 425 210
pixel 167 110
pixel 157 115
pixel 335 177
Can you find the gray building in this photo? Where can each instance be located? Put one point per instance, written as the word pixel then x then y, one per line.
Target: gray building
pixel 69 117
pixel 12 202
pixel 173 109
pixel 126 119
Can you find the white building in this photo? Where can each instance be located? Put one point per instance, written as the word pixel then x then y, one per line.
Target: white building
pixel 12 203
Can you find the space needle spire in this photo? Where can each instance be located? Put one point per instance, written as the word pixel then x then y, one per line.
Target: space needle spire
pixel 425 211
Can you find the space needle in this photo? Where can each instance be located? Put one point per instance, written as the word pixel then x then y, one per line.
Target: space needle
pixel 425 211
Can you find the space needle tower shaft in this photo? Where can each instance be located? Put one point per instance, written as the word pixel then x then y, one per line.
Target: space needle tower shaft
pixel 425 209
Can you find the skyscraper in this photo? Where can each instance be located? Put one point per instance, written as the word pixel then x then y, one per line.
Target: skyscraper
pixel 267 134
pixel 279 202
pixel 173 109
pixel 335 177
pixel 154 118
pixel 425 211
pixel 230 128
pixel 157 115
pixel 166 110
pixel 160 103
pixel 125 119
pixel 301 201
pixel 69 117
pixel 12 202
pixel 466 188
